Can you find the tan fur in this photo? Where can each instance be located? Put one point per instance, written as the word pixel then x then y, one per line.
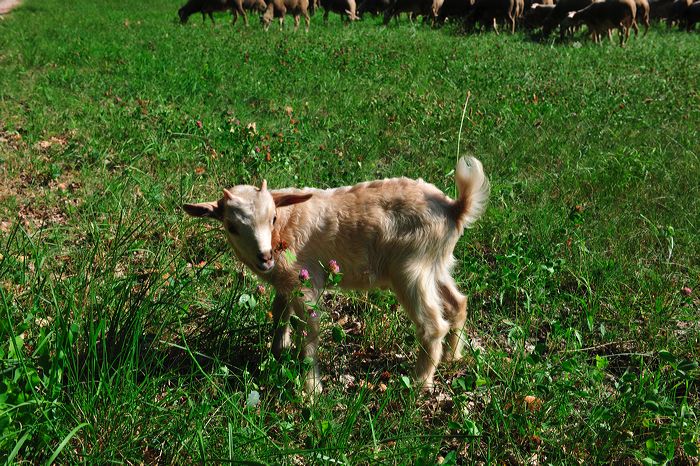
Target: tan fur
pixel 280 8
pixel 642 16
pixel 240 6
pixel 395 233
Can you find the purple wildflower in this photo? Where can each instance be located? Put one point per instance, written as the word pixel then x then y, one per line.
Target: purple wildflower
pixel 304 275
pixel 333 266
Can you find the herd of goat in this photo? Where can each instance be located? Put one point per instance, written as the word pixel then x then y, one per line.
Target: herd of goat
pixel 600 16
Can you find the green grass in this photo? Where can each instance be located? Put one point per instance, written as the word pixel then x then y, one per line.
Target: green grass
pixel 129 333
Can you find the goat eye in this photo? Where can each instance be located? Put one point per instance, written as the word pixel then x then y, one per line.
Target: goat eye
pixel 274 220
pixel 232 229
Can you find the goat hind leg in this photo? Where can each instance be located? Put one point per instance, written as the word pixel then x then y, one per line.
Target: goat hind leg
pixel 455 311
pixel 421 300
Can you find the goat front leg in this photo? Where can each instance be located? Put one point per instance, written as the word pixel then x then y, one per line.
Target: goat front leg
pixel 281 336
pixel 421 299
pixel 454 306
pixel 309 340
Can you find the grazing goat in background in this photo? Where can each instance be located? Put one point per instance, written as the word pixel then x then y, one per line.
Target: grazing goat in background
pixel 536 15
pixel 490 11
pixel 280 8
pixel 559 13
pixel 237 8
pixel 347 9
pixel 425 8
pixel 394 233
pixel 641 17
pixel 692 16
pixel 454 9
pixel 373 7
pixel 203 6
pixel 672 11
pixel 602 17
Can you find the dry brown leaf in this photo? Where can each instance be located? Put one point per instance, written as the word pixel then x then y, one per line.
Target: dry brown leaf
pixel 532 403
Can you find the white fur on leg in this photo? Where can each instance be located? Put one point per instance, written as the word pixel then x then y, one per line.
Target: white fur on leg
pixel 312 383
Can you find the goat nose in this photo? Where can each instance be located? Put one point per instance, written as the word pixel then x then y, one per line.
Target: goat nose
pixel 265 256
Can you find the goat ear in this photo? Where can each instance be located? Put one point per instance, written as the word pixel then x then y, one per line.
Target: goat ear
pixel 204 209
pixel 282 199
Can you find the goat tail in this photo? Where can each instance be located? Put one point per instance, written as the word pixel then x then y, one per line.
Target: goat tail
pixel 473 188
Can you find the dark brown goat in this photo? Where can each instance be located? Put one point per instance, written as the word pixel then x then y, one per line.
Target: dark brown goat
pixel 490 11
pixel 425 8
pixel 536 15
pixel 560 12
pixel 602 17
pixel 347 9
pixel 455 9
pixel 237 7
pixel 373 7
pixel 692 16
pixel 672 11
pixel 203 6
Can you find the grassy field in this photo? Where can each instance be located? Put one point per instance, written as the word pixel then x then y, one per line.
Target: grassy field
pixel 129 333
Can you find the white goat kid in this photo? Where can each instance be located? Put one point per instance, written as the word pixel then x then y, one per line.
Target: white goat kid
pixel 394 233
